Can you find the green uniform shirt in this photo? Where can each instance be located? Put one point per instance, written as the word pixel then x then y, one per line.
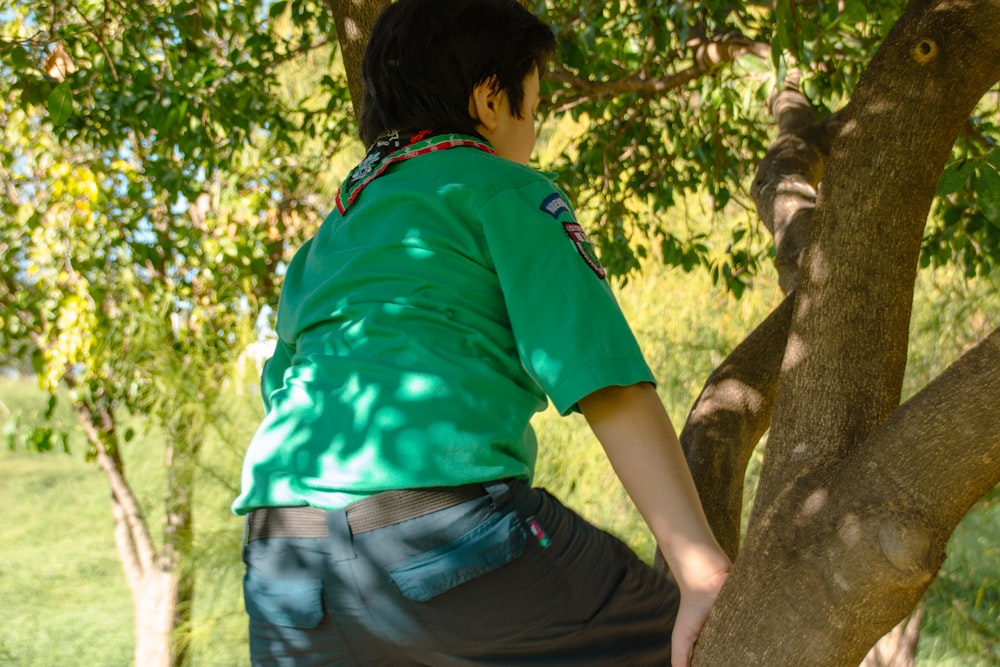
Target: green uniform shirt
pixel 421 329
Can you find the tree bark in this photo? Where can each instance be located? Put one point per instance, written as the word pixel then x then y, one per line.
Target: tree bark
pixel 153 583
pixel 844 536
pixel 729 418
pixel 177 555
pixel 784 187
pixel 354 20
pixel 734 408
pixel 155 602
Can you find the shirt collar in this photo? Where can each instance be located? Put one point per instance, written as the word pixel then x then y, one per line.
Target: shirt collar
pixel 392 147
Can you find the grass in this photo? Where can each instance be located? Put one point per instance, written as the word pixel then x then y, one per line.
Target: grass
pixel 65 600
pixel 66 603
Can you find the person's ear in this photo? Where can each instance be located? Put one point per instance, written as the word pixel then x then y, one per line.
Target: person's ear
pixel 484 104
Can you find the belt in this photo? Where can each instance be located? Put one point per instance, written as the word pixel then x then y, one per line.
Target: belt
pixel 378 511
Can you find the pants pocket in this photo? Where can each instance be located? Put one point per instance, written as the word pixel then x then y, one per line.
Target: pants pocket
pixel 294 603
pixel 497 541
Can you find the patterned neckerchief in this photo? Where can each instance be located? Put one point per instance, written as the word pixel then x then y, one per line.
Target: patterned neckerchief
pixel 392 147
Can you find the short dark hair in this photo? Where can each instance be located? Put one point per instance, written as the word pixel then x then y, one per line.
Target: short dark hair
pixel 425 57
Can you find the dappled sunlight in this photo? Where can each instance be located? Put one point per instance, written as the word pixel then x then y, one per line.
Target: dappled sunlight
pixel 334 446
pixel 850 531
pixel 733 395
pixel 795 352
pixel 814 503
pixel 818 265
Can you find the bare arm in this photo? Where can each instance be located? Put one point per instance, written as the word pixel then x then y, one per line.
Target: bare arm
pixel 639 439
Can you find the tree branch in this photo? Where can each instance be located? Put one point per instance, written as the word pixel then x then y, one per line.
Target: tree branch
pixel 941 449
pixel 784 187
pixel 132 538
pixel 728 419
pixel 707 55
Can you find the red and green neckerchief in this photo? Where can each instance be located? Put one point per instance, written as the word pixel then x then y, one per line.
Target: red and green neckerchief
pixel 392 147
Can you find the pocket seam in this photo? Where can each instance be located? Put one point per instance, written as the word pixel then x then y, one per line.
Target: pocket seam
pixel 494 543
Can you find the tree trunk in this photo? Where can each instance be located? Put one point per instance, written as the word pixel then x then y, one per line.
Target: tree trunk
pixel 354 20
pixel 734 408
pixel 155 603
pixel 156 581
pixel 177 554
pixel 854 508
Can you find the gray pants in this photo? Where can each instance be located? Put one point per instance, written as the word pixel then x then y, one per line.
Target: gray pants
pixel 512 578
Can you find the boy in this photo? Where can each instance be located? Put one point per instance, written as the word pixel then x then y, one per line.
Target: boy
pixel 391 519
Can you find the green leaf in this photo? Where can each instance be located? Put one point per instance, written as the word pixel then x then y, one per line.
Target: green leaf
pixel 19 58
pixel 987 186
pixel 953 179
pixel 277 9
pixel 753 64
pixel 50 407
pixel 993 157
pixel 60 103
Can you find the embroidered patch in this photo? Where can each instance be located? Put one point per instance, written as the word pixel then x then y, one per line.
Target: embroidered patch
pixel 554 204
pixel 585 248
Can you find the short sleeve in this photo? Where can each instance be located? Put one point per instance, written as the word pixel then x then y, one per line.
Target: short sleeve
pixel 571 335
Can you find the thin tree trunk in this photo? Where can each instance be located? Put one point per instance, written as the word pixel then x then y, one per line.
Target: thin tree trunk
pixel 155 619
pixel 177 554
pixel 152 581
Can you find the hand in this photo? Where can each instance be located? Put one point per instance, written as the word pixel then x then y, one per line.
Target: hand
pixel 695 605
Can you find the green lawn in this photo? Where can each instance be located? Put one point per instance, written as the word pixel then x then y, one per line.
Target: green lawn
pixel 64 597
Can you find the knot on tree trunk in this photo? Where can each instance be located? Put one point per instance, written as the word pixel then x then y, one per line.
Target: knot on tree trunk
pixel 859 545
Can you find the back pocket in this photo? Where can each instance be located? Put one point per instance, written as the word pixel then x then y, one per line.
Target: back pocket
pixel 490 545
pixel 294 603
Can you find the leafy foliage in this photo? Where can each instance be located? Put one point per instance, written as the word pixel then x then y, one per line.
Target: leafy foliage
pixel 966 226
pixel 663 119
pixel 154 179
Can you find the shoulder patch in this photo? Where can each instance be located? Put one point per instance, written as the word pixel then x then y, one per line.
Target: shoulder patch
pixel 584 247
pixel 554 204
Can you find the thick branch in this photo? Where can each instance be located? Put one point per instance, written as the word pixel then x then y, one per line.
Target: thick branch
pixel 865 535
pixel 784 188
pixel 728 419
pixel 941 449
